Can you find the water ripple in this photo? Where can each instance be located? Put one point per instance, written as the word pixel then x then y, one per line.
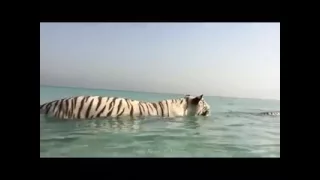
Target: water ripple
pixel 233 136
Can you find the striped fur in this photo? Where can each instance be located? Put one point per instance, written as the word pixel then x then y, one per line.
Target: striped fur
pixel 91 107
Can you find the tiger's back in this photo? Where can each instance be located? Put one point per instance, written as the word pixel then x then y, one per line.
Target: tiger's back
pixel 87 107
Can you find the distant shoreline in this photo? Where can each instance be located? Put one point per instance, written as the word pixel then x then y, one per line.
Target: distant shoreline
pixel 151 92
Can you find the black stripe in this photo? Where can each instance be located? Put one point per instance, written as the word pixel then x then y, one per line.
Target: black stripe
pixel 155 106
pixel 67 106
pixel 127 103
pixel 167 107
pixel 112 103
pixel 187 104
pixel 131 108
pixel 119 106
pixel 60 107
pixel 48 108
pixel 54 107
pixel 131 111
pixel 80 109
pixel 99 102
pixel 64 110
pixel 71 110
pixel 41 106
pixel 70 105
pixel 98 115
pixel 181 101
pixel 161 107
pixel 74 103
pixel 148 108
pixel 89 108
pixel 144 112
pixel 140 109
pixel 87 98
pixel 121 113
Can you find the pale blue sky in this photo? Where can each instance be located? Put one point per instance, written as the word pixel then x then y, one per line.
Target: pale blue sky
pixel 219 59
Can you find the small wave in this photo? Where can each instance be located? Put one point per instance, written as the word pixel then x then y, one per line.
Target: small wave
pixel 265 113
pixel 270 113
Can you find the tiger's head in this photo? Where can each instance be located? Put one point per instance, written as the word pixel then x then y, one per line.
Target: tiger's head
pixel 197 106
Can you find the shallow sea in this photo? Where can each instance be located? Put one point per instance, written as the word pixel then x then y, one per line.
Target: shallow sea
pixel 234 129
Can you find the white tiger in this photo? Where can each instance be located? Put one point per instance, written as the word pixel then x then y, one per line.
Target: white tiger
pixel 91 107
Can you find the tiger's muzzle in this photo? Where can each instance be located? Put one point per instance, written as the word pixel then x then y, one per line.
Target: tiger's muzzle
pixel 205 113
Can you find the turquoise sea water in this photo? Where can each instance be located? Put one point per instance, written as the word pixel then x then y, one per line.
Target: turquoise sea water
pixel 234 129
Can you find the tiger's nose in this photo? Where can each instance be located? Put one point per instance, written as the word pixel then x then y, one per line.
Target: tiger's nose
pixel 205 113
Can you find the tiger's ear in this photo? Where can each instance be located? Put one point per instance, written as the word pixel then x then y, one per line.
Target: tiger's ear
pixel 197 99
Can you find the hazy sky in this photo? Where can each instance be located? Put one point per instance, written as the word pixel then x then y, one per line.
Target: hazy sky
pixel 219 59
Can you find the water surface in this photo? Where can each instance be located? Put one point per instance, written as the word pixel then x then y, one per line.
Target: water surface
pixel 234 129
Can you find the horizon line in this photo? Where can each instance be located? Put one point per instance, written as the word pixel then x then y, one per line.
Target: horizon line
pixel 92 88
